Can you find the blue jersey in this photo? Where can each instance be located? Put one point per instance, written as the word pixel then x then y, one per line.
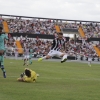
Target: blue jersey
pixel 2 40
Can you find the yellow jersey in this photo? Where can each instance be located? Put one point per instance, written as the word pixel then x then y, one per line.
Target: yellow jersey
pixel 33 77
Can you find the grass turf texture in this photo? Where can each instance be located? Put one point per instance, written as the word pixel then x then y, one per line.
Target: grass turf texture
pixel 66 81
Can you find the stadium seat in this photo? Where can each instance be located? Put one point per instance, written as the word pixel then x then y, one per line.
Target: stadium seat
pixel 81 32
pixel 97 50
pixel 5 26
pixel 57 28
pixel 20 49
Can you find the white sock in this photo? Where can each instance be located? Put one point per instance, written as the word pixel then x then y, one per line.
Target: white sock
pixel 64 57
pixel 89 63
pixel 44 57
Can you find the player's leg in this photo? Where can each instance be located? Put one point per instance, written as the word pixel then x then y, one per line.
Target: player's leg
pixel 16 55
pixel 64 58
pixel 20 79
pixel 2 65
pixel 45 57
pixel 27 61
pixel 30 59
pixel 63 55
pixel 89 62
pixel 48 56
pixel 24 61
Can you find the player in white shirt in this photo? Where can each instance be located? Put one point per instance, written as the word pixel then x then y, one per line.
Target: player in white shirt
pixel 26 56
pixel 16 53
pixel 89 59
pixel 56 49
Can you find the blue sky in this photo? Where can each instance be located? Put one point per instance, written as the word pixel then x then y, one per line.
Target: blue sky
pixel 63 9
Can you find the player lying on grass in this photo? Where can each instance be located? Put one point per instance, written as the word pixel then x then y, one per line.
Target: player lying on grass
pixel 28 76
pixel 58 44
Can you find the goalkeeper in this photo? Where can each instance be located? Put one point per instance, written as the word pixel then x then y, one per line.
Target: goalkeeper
pixel 28 76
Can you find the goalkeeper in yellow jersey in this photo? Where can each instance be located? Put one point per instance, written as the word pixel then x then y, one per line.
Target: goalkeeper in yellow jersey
pixel 28 76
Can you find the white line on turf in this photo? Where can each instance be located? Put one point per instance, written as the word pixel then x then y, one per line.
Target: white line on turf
pixel 94 79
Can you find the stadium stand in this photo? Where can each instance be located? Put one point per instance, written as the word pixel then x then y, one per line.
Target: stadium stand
pixel 5 26
pixel 81 32
pixel 19 47
pixel 97 50
pixel 41 27
pixel 57 28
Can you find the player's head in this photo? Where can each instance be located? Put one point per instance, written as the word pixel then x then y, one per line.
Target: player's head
pixel 60 35
pixel 1 29
pixel 27 72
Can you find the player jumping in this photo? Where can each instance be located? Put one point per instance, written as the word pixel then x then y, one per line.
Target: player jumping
pixel 58 44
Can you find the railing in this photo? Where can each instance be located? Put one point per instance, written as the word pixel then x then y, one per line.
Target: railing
pixel 49 18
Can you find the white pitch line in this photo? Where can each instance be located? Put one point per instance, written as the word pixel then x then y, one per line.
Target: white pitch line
pixel 94 79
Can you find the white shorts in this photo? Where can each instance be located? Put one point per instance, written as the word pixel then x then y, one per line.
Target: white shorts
pixel 89 59
pixel 55 53
pixel 26 56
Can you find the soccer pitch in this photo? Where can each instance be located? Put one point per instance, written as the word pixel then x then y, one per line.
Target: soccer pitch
pixel 66 81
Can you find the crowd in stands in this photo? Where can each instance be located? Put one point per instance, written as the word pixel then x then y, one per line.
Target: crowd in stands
pixel 31 26
pixel 82 48
pixel 47 26
pixel 91 30
pixel 42 47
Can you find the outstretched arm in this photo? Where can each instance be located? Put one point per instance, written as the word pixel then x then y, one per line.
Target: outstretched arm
pixel 20 80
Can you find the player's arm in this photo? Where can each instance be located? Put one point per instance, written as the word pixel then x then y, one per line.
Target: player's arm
pixel 20 79
pixel 24 79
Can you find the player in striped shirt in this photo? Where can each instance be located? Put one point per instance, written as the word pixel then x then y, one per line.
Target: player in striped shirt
pixel 56 49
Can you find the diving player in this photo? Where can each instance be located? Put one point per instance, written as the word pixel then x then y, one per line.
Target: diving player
pixel 58 44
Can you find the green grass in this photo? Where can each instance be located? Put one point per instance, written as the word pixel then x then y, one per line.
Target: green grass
pixel 67 81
